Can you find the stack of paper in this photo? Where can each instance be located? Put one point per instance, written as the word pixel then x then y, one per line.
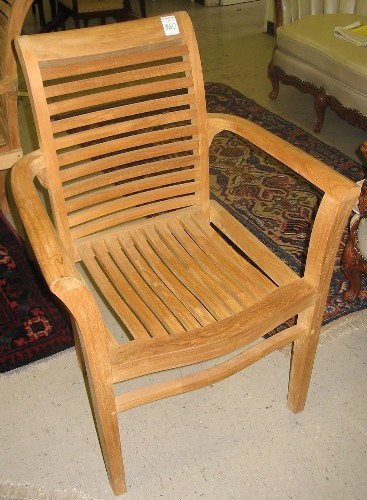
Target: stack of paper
pixel 355 33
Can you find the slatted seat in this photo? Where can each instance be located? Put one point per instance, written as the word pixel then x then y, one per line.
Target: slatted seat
pixel 179 268
pixel 124 140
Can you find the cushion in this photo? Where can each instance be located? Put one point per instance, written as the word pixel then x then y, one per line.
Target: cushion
pixel 312 42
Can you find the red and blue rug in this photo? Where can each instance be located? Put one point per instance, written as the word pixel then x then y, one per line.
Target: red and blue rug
pixel 33 324
pixel 260 192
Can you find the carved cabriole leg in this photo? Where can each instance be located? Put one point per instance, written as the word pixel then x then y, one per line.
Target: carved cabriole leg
pixel 350 264
pixel 321 102
pixel 274 81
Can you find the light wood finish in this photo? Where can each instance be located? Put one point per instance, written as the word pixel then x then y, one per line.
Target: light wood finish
pixel 124 134
pixel 12 14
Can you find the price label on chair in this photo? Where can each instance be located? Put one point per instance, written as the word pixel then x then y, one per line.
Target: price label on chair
pixel 170 25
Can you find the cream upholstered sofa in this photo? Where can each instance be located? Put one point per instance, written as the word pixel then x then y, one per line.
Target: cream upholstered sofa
pixel 309 56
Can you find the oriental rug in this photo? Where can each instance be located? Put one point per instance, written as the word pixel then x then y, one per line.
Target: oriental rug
pixel 33 324
pixel 260 192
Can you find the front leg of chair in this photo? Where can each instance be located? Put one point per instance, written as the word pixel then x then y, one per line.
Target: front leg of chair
pixel 93 346
pixel 303 356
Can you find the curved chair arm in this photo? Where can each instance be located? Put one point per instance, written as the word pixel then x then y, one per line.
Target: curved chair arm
pixel 337 202
pixel 56 264
pixel 313 170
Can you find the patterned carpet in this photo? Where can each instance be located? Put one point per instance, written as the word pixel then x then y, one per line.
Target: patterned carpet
pixel 274 203
pixel 260 192
pixel 33 325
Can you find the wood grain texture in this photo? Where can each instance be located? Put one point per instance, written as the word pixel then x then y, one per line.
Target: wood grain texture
pixel 124 140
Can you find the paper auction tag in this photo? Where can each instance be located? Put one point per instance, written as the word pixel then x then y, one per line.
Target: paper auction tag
pixel 170 25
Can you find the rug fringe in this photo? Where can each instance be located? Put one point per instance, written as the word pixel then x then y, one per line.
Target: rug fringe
pixel 40 364
pixel 343 326
pixel 346 325
pixel 26 491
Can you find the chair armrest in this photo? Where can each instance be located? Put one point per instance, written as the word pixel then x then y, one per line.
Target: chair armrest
pixel 313 170
pixel 340 193
pixel 57 266
pixel 55 263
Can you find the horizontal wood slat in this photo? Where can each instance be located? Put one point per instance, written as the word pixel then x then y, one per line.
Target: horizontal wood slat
pixel 115 78
pixel 85 119
pixel 180 169
pixel 119 128
pixel 117 95
pixel 134 200
pixel 131 157
pixel 104 223
pixel 203 378
pixel 135 141
pixel 118 59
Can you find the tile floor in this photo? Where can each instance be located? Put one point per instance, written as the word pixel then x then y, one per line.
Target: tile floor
pixel 236 439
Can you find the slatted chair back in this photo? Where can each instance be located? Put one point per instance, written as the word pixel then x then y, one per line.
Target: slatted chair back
pixel 12 14
pixel 125 134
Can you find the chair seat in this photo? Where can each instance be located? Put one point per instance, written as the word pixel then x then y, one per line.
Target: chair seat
pixel 180 268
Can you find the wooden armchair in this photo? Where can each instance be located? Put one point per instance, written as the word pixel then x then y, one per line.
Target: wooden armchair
pixel 124 137
pixel 12 14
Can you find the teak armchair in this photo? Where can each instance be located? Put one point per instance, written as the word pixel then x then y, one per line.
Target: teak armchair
pixel 12 14
pixel 124 139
